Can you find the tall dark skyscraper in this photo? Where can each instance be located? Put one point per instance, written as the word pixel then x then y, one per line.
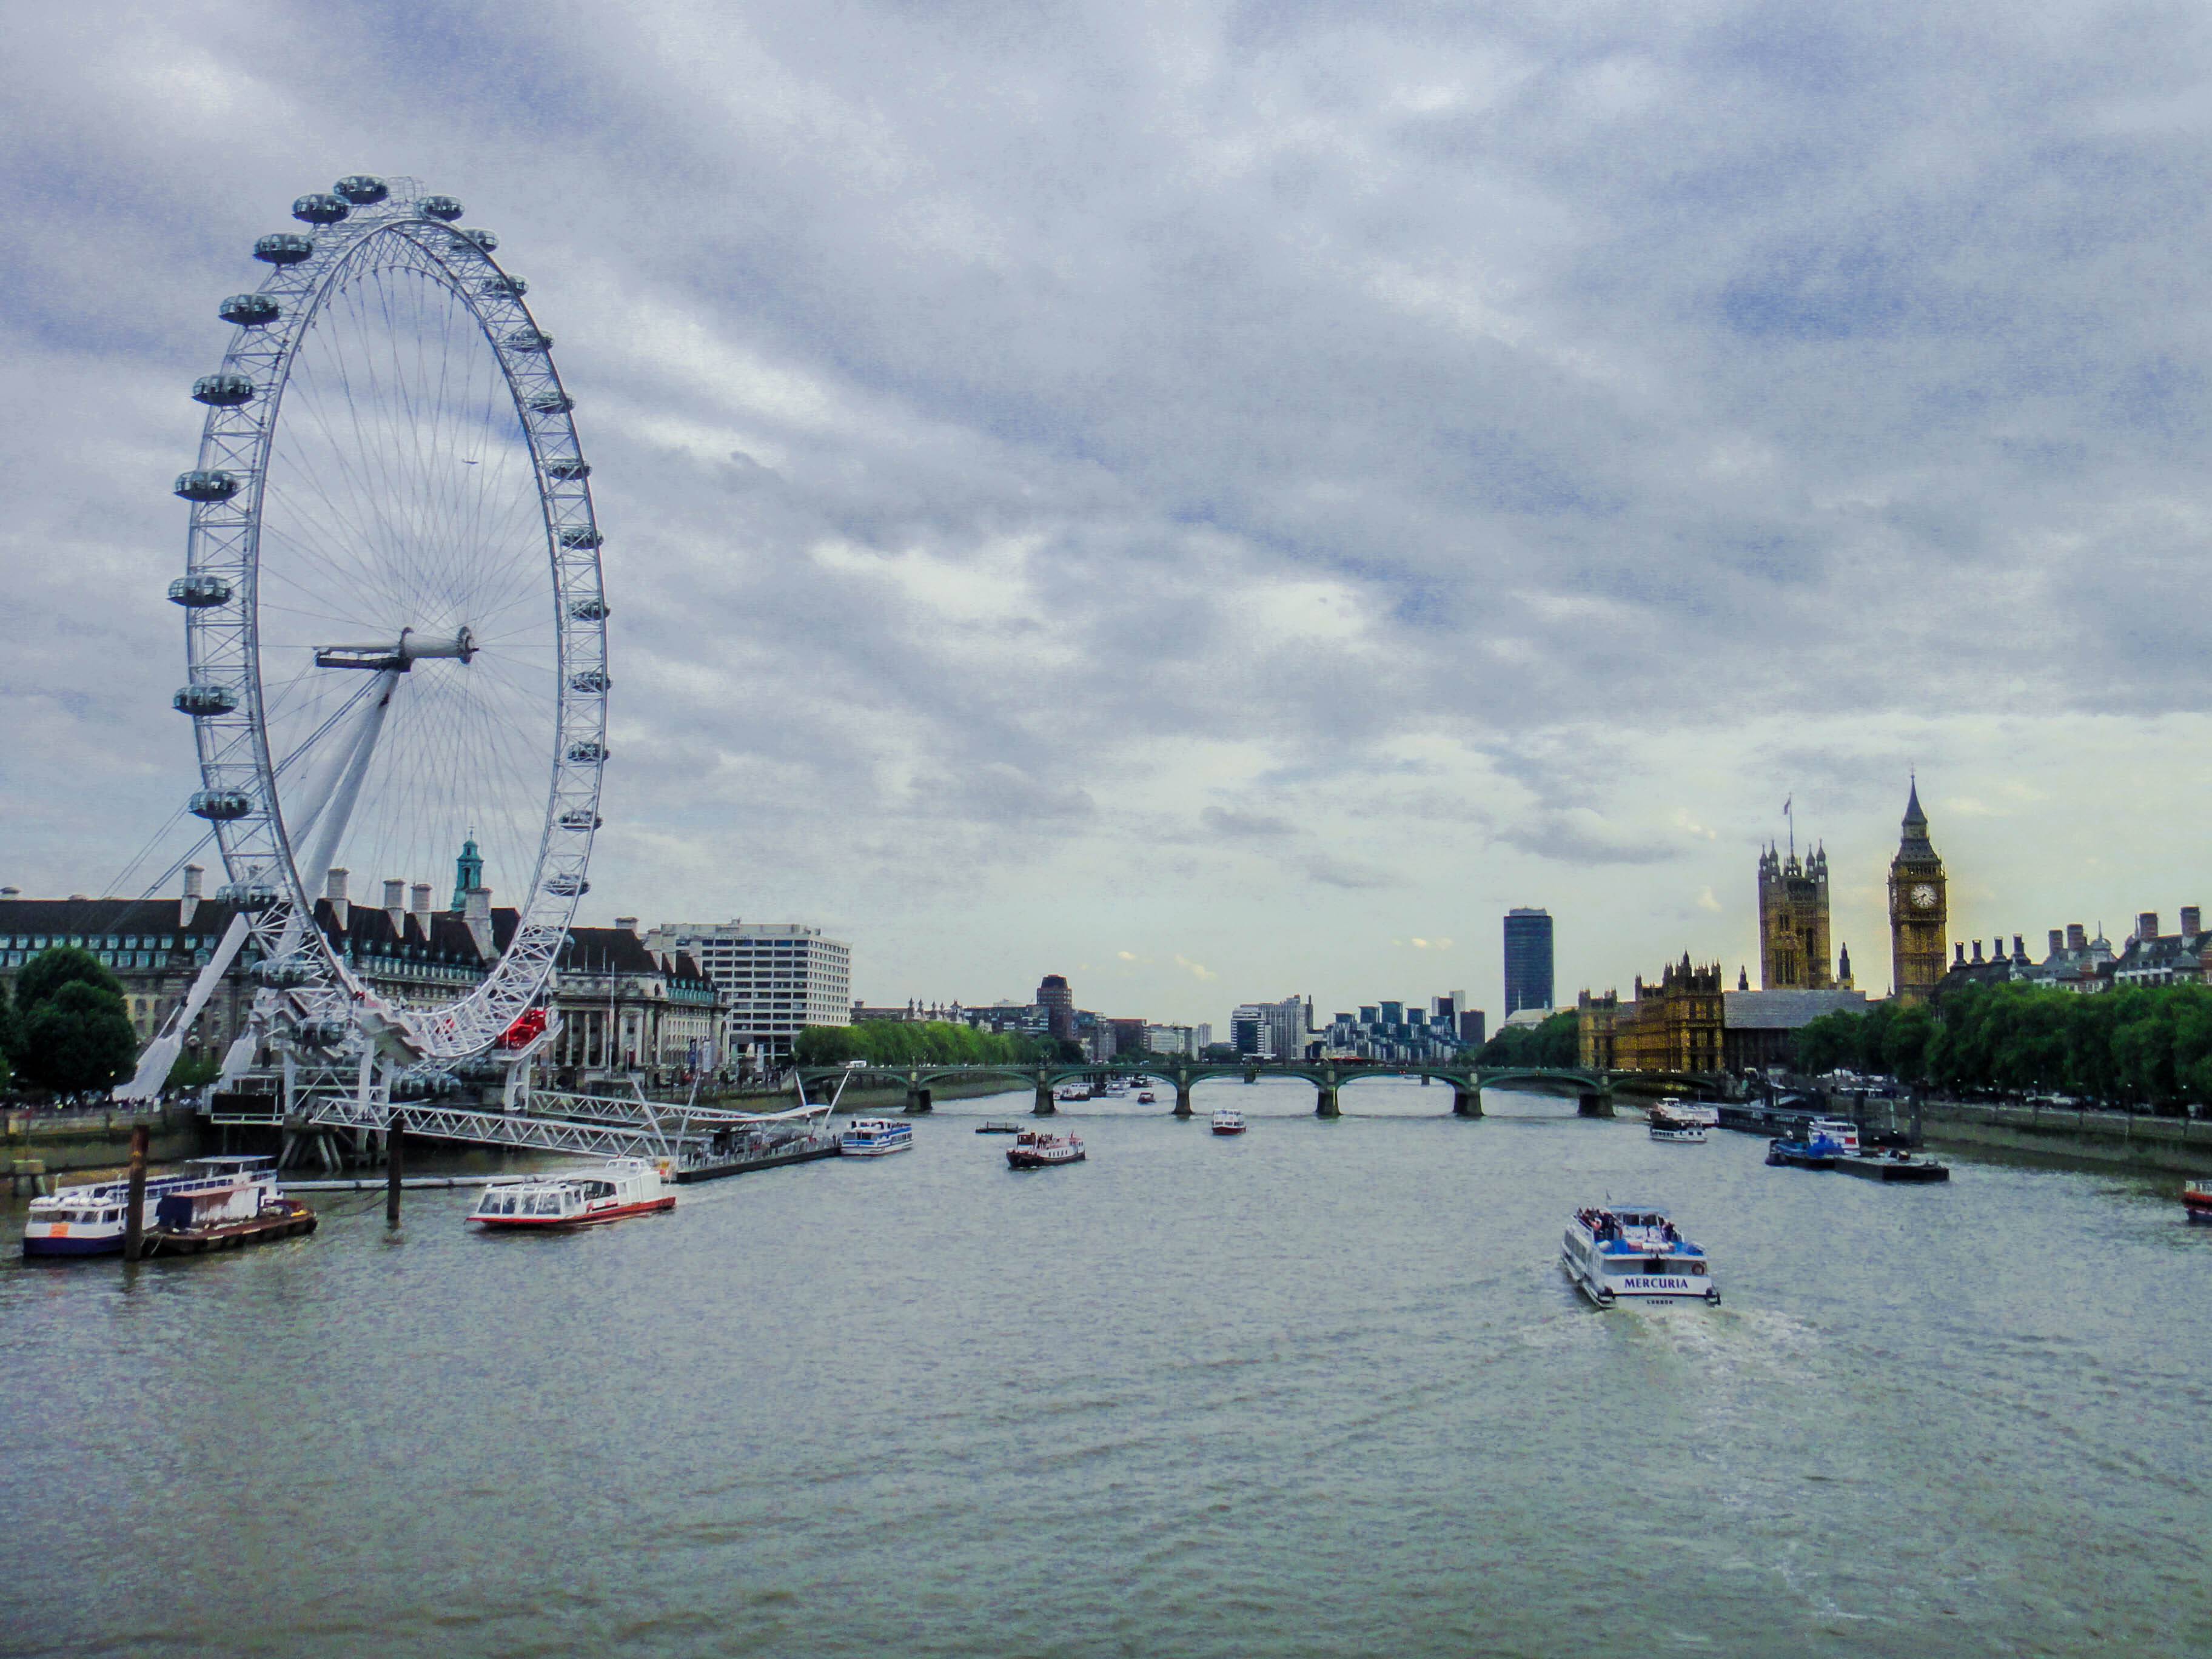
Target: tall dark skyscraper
pixel 1527 960
pixel 1059 1004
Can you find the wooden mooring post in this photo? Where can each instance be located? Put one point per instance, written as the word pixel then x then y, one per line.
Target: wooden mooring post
pixel 395 1165
pixel 134 1213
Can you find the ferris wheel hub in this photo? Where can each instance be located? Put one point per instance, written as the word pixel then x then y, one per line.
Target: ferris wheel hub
pixel 397 658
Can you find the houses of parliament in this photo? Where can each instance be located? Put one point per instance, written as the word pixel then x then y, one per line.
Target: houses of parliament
pixel 1685 1022
pixel 1793 916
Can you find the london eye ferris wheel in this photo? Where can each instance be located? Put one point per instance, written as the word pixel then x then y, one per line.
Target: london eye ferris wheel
pixel 395 622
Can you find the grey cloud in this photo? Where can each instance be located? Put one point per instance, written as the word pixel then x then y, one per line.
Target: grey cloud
pixel 1623 371
pixel 1245 826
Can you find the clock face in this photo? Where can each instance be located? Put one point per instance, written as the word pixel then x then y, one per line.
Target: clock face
pixel 1924 896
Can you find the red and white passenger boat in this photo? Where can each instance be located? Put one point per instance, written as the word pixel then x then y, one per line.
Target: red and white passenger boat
pixel 1228 1121
pixel 575 1198
pixel 2196 1201
pixel 1035 1149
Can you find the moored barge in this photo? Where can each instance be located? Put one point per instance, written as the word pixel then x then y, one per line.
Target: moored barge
pixel 211 1204
pixel 1892 1166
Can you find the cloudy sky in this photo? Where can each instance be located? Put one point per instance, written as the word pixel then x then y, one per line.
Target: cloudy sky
pixel 1223 501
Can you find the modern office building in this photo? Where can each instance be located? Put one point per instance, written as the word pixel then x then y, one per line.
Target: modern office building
pixel 1273 1031
pixel 1527 960
pixel 777 978
pixel 1059 1004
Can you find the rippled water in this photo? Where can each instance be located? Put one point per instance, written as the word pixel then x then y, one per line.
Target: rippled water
pixel 1323 1390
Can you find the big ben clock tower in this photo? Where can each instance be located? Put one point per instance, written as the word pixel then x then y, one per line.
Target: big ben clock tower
pixel 1918 909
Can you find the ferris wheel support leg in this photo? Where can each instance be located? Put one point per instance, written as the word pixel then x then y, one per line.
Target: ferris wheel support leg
pixel 344 785
pixel 162 1053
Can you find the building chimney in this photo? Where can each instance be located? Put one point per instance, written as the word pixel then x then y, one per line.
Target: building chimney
pixel 2058 940
pixel 1978 950
pixel 2077 936
pixel 190 901
pixel 1960 961
pixel 395 906
pixel 334 890
pixel 2192 919
pixel 629 922
pixel 420 893
pixel 2146 926
pixel 2019 948
pixel 477 915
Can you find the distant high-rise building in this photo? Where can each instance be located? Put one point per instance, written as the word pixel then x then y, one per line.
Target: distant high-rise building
pixel 777 978
pixel 1527 960
pixel 1059 1004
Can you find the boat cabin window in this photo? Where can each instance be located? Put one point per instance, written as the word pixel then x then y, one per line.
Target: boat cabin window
pixel 109 1215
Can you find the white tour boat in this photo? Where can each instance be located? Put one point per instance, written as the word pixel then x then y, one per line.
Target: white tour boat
pixel 1228 1121
pixel 1695 1111
pixel 1664 1127
pixel 1038 1149
pixel 574 1198
pixel 875 1137
pixel 1631 1252
pixel 88 1220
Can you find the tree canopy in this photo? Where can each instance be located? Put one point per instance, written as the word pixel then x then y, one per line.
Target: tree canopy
pixel 2141 1044
pixel 905 1042
pixel 1553 1044
pixel 78 1037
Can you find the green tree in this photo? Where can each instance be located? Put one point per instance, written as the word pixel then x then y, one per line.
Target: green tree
pixel 908 1042
pixel 1551 1044
pixel 1904 1040
pixel 1832 1041
pixel 79 1037
pixel 48 971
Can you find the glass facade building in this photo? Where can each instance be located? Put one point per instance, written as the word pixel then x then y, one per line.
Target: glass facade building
pixel 1527 960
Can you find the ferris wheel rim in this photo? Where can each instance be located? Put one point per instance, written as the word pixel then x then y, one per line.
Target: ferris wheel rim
pixel 241 794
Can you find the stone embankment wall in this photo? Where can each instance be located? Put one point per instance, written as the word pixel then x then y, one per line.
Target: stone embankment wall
pixel 70 1142
pixel 2177 1146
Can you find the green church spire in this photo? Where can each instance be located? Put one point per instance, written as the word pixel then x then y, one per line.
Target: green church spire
pixel 468 871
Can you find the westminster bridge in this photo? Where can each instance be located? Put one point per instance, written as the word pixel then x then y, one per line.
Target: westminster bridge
pixel 1592 1091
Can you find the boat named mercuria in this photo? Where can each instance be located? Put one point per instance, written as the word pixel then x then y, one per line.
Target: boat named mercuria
pixel 1035 1149
pixel 1618 1252
pixel 576 1198
pixel 1228 1121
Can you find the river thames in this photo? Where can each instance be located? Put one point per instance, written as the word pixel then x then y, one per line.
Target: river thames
pixel 1321 1391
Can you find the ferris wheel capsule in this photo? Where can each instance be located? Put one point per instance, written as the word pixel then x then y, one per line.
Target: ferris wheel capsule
pixel 220 806
pixel 361 189
pixel 212 485
pixel 439 207
pixel 248 310
pixel 222 390
pixel 200 592
pixel 285 248
pixel 201 701
pixel 320 209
